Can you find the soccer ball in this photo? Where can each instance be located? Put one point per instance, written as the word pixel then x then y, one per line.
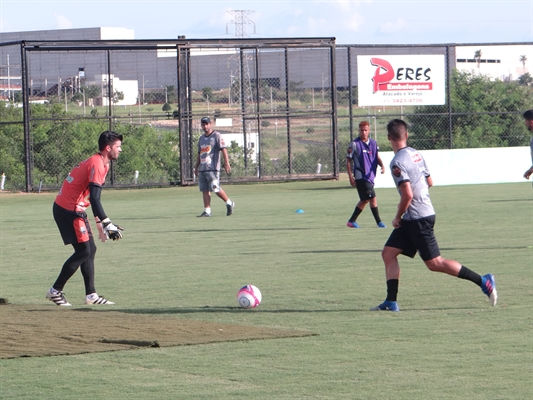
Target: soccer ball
pixel 249 296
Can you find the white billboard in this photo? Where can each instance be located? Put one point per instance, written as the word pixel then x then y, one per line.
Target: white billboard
pixel 401 80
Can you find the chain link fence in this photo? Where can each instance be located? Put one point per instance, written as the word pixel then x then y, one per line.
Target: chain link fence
pixel 287 108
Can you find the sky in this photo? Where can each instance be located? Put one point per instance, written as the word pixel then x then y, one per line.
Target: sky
pixel 349 21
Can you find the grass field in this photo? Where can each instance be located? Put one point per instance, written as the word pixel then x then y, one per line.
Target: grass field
pixel 315 275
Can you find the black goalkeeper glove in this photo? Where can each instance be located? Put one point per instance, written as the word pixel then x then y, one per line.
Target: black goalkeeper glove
pixel 111 230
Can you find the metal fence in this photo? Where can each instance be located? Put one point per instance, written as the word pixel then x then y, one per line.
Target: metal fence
pixel 287 107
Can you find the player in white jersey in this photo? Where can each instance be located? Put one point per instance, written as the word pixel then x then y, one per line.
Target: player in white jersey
pixel 414 222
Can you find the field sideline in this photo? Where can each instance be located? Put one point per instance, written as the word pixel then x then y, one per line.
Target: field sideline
pixel 315 274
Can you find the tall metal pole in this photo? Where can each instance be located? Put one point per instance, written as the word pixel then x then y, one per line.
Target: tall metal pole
pixel 350 94
pixel 449 95
pixel 26 117
pixel 287 108
pixel 333 89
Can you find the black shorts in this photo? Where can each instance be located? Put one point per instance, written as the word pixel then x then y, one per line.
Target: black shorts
pixel 365 189
pixel 413 236
pixel 74 227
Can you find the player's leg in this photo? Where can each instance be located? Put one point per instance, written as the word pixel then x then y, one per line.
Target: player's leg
pixel 73 230
pixel 398 243
pixel 217 189
pixel 375 212
pixel 363 199
pixel 430 253
pixel 204 186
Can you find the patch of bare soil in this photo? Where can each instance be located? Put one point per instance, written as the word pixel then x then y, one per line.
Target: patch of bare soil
pixel 35 331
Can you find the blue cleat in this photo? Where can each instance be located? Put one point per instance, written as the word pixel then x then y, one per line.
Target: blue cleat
pixel 352 224
pixel 381 225
pixel 387 306
pixel 488 287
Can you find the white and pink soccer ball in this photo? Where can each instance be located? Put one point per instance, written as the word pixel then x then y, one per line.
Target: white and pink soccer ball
pixel 249 296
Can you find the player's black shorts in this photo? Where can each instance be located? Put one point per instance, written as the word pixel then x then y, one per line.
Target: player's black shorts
pixel 416 235
pixel 74 227
pixel 365 189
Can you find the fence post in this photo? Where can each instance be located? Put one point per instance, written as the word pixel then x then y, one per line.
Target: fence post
pixel 26 116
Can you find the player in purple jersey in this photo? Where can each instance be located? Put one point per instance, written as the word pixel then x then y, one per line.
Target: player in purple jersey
pixel 528 116
pixel 207 167
pixel 362 160
pixel 414 222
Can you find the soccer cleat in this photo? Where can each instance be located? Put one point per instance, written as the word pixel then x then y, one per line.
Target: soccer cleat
pixel 57 297
pixel 381 225
pixel 387 306
pixel 204 214
pixel 352 224
pixel 94 299
pixel 229 208
pixel 488 287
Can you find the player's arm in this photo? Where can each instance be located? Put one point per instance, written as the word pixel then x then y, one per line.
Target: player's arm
pixel 406 196
pixel 103 223
pixel 227 167
pixel 349 170
pixel 197 164
pixel 429 180
pixel 381 165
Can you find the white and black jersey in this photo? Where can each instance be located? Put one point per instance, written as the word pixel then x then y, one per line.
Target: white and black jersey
pixel 408 165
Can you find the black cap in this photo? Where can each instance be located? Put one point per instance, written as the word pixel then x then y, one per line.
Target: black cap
pixel 206 120
pixel 529 115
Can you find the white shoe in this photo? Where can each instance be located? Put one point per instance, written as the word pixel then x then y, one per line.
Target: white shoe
pixel 94 299
pixel 57 297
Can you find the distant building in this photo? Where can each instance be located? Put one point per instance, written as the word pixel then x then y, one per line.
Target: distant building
pixel 498 62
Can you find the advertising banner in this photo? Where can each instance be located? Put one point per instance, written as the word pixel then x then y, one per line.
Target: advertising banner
pixel 392 80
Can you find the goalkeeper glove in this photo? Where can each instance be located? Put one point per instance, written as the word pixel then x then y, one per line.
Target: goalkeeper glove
pixel 111 230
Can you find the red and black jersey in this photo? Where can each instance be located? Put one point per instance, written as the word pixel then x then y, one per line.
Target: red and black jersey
pixel 74 193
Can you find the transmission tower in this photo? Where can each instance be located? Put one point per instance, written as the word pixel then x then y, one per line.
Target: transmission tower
pixel 241 20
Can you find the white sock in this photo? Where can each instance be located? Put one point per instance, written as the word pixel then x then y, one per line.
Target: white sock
pixel 229 202
pixel 207 210
pixel 92 296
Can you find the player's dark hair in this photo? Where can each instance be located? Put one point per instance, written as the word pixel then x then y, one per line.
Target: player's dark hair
pixel 396 128
pixel 529 115
pixel 108 138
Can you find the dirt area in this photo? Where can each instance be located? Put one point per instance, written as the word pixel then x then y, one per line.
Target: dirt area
pixel 36 331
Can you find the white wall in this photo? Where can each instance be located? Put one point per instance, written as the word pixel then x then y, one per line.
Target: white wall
pixel 467 166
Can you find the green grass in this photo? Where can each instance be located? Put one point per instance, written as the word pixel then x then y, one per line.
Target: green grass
pixel 315 274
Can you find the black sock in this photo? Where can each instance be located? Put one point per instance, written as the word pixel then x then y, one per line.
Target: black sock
pixel 355 214
pixel 392 289
pixel 467 274
pixel 375 213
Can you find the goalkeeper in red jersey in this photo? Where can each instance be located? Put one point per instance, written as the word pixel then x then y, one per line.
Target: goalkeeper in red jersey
pixel 81 189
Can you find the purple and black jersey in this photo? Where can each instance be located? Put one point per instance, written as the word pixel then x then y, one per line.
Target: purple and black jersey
pixel 365 159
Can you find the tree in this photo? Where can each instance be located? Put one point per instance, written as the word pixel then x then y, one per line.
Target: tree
pixel 477 57
pixel 207 93
pixel 525 79
pixel 117 96
pixel 167 108
pixel 523 60
pixel 485 113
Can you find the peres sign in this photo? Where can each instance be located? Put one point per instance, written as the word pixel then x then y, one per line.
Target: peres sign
pixel 401 80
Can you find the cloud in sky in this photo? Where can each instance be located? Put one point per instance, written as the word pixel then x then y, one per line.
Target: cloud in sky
pixel 62 22
pixel 394 27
